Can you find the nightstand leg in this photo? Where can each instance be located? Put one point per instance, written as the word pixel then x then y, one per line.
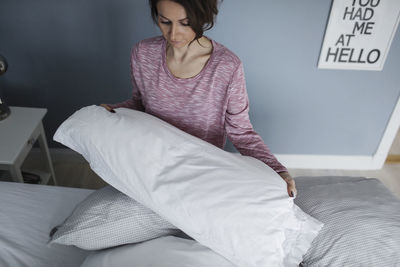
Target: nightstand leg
pixel 45 151
pixel 16 174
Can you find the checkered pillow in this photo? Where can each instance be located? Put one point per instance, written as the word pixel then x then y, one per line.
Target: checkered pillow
pixel 108 218
pixel 361 222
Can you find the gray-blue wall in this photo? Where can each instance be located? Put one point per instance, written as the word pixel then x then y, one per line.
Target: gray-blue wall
pixel 65 54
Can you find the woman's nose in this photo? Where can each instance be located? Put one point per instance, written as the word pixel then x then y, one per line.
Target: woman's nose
pixel 172 32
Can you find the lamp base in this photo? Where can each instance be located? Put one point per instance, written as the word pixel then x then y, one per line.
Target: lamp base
pixel 4 111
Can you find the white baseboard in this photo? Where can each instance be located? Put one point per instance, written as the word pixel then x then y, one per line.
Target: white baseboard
pixel 373 162
pixel 328 162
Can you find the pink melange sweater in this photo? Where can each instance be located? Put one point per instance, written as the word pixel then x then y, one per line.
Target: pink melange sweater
pixel 212 105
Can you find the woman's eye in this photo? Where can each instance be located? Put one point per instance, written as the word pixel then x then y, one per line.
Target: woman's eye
pixel 169 22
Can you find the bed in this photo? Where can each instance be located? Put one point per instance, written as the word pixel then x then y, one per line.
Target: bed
pixel 175 200
pixel 361 217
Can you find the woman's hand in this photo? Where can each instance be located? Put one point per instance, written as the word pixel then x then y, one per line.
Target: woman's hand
pixel 107 107
pixel 291 185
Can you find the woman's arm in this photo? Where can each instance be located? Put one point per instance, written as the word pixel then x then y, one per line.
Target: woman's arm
pixel 135 102
pixel 240 130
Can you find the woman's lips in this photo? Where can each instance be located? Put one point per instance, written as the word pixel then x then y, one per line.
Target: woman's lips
pixel 176 42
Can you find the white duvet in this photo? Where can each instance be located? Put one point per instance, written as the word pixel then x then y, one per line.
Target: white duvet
pixel 235 205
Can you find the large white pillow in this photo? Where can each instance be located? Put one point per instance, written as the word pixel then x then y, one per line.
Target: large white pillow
pixel 235 205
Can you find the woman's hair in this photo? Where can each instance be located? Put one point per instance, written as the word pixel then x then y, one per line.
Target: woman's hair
pixel 201 13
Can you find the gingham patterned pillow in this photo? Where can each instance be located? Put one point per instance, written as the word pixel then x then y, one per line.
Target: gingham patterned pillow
pixel 361 222
pixel 108 218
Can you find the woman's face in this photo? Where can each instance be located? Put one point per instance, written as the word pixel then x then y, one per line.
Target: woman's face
pixel 174 24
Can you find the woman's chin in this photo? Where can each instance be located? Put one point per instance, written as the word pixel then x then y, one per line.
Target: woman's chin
pixel 179 44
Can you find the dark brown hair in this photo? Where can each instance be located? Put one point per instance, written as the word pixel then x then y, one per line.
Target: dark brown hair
pixel 201 13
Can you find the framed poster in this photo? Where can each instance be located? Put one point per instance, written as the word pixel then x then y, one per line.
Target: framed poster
pixel 359 34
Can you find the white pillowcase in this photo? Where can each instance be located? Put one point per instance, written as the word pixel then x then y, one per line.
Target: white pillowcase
pixel 235 205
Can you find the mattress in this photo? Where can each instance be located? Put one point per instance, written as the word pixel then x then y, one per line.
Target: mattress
pixel 27 214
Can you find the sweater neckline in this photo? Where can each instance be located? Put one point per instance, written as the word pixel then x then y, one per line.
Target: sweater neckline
pixel 198 75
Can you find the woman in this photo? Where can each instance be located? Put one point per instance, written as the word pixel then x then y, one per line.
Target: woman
pixel 195 83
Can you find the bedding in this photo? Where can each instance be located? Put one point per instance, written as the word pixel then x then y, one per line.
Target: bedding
pixel 361 228
pixel 235 205
pixel 167 251
pixel 361 221
pixel 27 214
pixel 108 218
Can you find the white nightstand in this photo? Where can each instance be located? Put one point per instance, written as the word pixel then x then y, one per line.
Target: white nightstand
pixel 18 133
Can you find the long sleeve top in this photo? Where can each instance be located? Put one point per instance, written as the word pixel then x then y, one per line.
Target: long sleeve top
pixel 213 105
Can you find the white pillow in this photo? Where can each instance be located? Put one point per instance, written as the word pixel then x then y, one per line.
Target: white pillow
pixel 169 251
pixel 235 205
